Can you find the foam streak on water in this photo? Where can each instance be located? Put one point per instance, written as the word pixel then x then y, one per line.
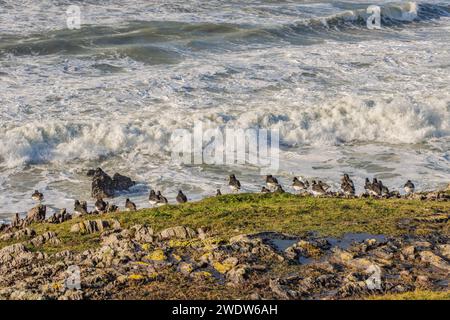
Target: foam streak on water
pixel 345 98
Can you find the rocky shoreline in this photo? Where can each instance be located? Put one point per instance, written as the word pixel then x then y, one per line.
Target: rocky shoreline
pixel 129 260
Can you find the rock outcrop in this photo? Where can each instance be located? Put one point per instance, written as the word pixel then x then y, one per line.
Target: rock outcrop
pixel 103 186
pixel 36 214
pixel 179 232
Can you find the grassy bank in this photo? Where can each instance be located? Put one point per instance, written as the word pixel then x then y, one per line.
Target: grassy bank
pixel 230 215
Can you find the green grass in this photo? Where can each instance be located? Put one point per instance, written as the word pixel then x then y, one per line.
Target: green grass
pixel 230 215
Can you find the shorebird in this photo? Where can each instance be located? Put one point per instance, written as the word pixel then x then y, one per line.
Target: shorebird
pixel 130 206
pixel 346 179
pixel 161 199
pixel 100 205
pixel 37 196
pixel 279 189
pixel 375 188
pixel 317 189
pixel 80 208
pixel 234 183
pixel 181 197
pixel 367 185
pixel 265 190
pixel 348 189
pixel 347 185
pixel 271 182
pixel 218 193
pixel 409 187
pixel 384 189
pixel 152 198
pixel 299 185
pixel 324 185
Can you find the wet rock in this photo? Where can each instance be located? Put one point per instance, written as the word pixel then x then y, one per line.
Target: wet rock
pixel 238 274
pixel 122 182
pixel 36 214
pixel 179 232
pixel 103 186
pixel 434 260
pixel 347 259
pixel 303 248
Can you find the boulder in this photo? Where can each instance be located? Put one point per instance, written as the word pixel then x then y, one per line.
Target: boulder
pixel 179 232
pixel 103 186
pixel 434 260
pixel 36 214
pixel 122 182
pixel 90 226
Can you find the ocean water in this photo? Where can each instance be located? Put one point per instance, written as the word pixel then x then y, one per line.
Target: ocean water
pixel 344 98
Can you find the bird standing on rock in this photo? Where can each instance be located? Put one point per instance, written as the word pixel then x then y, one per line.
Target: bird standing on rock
pixel 100 205
pixel 317 189
pixel 271 182
pixel 130 206
pixel 181 197
pixel 279 189
pixel 347 185
pixel 346 179
pixel 153 198
pixel 348 189
pixel 299 185
pixel 37 196
pixel 367 185
pixel 409 187
pixel 323 185
pixel 161 199
pixel 218 192
pixel 80 208
pixel 234 183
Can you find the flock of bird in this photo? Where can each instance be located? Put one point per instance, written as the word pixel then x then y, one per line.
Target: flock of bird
pixel 376 188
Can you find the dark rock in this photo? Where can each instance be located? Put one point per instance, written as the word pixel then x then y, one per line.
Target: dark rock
pixel 122 183
pixel 103 186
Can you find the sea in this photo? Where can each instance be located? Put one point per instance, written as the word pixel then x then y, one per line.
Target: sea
pixel 109 90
